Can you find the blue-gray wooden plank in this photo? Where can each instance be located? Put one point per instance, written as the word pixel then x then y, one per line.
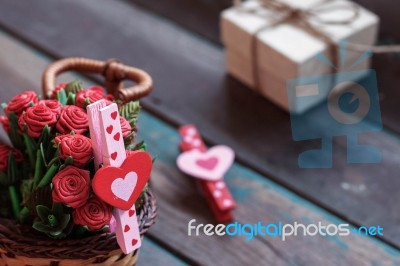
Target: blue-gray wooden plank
pixel 154 255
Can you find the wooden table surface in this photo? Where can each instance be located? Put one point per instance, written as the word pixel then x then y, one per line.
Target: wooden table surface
pixel 177 42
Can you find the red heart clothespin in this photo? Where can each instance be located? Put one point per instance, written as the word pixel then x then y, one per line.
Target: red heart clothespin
pixel 122 178
pixel 209 166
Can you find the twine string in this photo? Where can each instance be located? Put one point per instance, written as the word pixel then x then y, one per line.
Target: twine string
pixel 302 18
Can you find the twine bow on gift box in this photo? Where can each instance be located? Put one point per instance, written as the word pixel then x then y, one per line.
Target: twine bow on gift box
pixel 302 18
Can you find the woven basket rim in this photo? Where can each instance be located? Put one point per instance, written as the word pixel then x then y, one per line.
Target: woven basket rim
pixel 16 240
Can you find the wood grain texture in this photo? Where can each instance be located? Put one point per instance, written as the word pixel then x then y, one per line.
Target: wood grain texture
pixel 387 10
pixel 257 197
pixel 153 254
pixel 202 17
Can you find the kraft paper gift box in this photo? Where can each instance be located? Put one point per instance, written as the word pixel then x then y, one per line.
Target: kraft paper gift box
pixel 286 51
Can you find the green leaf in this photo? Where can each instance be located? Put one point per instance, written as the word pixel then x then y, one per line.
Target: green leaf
pixel 64 221
pixel 57 209
pixel 12 169
pixel 54 160
pixel 140 146
pixel 41 227
pixel 51 172
pixel 130 147
pixel 69 161
pixel 80 231
pixel 14 131
pixel 57 234
pixel 55 223
pixel 30 148
pixel 62 96
pixel 4 105
pixel 139 203
pixel 135 147
pixel 69 227
pixel 42 154
pixel 45 136
pixel 73 87
pixel 43 212
pixel 86 103
pixel 23 214
pixel 130 111
pixel 15 202
pixel 71 99
pixel 129 138
pixel 38 167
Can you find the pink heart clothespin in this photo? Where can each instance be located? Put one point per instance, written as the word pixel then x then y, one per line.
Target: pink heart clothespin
pixel 209 166
pixel 109 150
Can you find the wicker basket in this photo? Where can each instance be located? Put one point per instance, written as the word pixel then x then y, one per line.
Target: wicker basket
pixel 21 246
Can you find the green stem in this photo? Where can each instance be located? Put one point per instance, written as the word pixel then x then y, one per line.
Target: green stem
pixel 55 159
pixel 38 167
pixel 45 136
pixel 14 201
pixel 11 171
pixel 48 176
pixel 24 213
pixel 30 149
pixel 14 135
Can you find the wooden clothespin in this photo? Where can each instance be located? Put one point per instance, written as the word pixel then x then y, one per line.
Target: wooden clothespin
pixel 109 149
pixel 209 166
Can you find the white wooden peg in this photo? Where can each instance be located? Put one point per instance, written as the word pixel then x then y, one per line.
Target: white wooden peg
pixel 93 112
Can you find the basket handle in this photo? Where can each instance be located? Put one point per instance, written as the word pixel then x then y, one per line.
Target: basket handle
pixel 113 71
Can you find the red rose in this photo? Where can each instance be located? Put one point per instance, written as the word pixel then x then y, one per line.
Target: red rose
pixel 108 102
pixel 19 157
pixel 57 89
pixel 54 105
pixel 72 118
pixel 78 147
pixel 71 186
pixel 21 102
pixel 59 138
pixel 4 153
pixel 93 94
pixel 36 118
pixel 125 126
pixel 6 123
pixel 95 214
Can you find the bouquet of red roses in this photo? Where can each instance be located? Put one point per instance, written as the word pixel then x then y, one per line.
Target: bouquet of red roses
pixel 47 167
